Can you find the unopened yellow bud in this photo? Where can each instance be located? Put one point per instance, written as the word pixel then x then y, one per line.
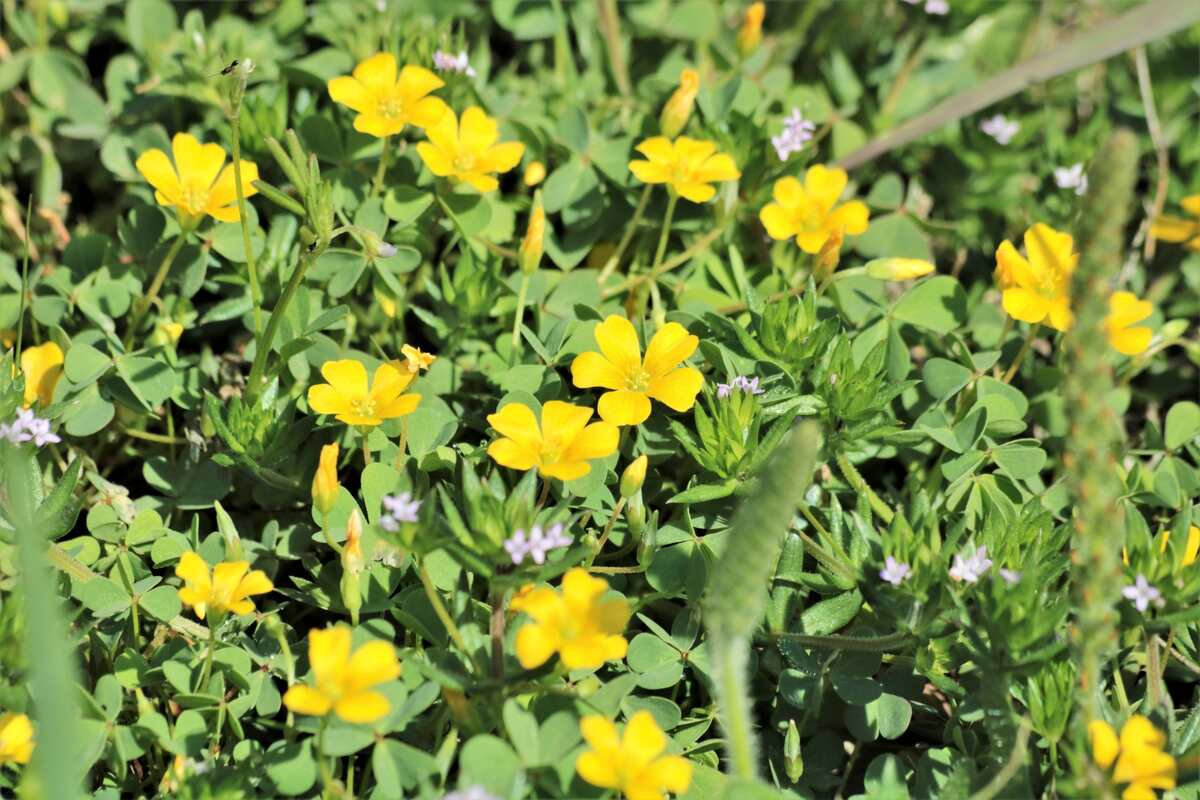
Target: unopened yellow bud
pixel 534 241
pixel 325 482
pixel 415 359
pixel 831 253
pixel 750 35
pixel 535 173
pixel 898 269
pixel 633 476
pixel 678 109
pixel 352 554
pixel 166 332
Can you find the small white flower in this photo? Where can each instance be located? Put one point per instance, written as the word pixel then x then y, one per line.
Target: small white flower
pixel 1000 128
pixel 1072 177
pixel 938 7
pixel 894 572
pixel 971 568
pixel 471 793
pixel 1011 576
pixel 448 62
pixel 399 508
pixel 797 132
pixel 724 390
pixel 386 250
pixel 537 544
pixel 28 427
pixel 1142 594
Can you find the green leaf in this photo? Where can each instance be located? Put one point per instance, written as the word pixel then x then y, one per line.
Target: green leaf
pixel 489 762
pixel 1182 425
pixel 1020 460
pixel 938 304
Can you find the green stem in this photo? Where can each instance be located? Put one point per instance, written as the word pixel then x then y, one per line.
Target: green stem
pixel 616 512
pixel 671 263
pixel 322 763
pixel 522 292
pixel 443 615
pixel 24 277
pixel 156 284
pixel 258 368
pixel 1020 357
pixel 208 658
pixel 627 237
pixel 864 644
pixel 856 481
pixel 256 298
pixel 381 170
pixel 496 632
pixel 666 232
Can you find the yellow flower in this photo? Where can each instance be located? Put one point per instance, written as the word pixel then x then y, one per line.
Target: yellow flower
pixel 535 173
pixel 530 254
pixel 634 763
pixel 1177 229
pixel 1037 288
pixel 16 739
pixel 468 151
pixel 1124 309
pixel 42 367
pixel 560 447
pixel 384 103
pixel 898 269
pixel 1190 551
pixel 809 210
pixel 619 366
pixel 226 589
pixel 344 679
pixel 347 396
pixel 576 622
pixel 750 35
pixel 634 476
pixel 196 185
pixel 1141 764
pixel 688 166
pixel 168 331
pixel 415 360
pixel 325 482
pixel 678 108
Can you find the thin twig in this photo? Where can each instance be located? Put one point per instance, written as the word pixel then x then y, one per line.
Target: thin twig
pixel 1146 88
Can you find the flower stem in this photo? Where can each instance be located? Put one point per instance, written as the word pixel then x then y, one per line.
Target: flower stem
pixel 615 259
pixel 256 297
pixel 326 773
pixel 439 608
pixel 160 277
pixel 666 232
pixel 616 512
pixel 496 631
pixel 856 480
pixel 208 658
pixel 381 170
pixel 522 293
pixel 1024 351
pixel 263 348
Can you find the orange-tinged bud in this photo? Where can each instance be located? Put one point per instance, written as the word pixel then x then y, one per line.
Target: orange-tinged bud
pixel 325 482
pixel 534 241
pixel 678 109
pixel 416 359
pixel 831 253
pixel 750 35
pixel 633 476
pixel 352 554
pixel 535 173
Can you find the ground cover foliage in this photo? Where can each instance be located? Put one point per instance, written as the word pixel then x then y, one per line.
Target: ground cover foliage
pixel 649 399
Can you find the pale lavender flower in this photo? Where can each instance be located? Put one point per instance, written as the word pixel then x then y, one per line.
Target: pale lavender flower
pixel 28 427
pixel 724 390
pixel 1000 128
pixel 797 132
pixel 536 544
pixel 1011 576
pixel 747 385
pixel 1142 594
pixel 894 572
pixel 971 568
pixel 386 250
pixel 1072 177
pixel 937 7
pixel 399 508
pixel 448 62
pixel 471 793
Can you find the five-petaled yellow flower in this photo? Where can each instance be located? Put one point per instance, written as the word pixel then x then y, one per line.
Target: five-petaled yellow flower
pixel 325 482
pixel 560 447
pixel 226 589
pixel 1178 229
pixel 1141 763
pixel 385 103
pixel 688 166
pixel 1124 310
pixel 16 739
pixel 42 366
pixel 634 763
pixel 577 623
pixel 196 184
pixel 344 680
pixel 468 149
pixel 416 359
pixel 348 397
pixel 1037 287
pixel 619 366
pixel 810 212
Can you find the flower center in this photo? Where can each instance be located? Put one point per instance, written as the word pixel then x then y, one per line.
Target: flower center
pixel 390 106
pixel 363 406
pixel 194 197
pixel 638 380
pixel 464 162
pixel 681 172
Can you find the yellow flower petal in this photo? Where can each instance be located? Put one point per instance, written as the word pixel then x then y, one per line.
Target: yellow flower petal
pixel 677 389
pixel 436 159
pixel 1170 229
pixel 402 406
pixel 197 164
pixel 156 168
pixel 516 421
pixel 643 740
pixel 324 399
pixel 668 348
pixel 1138 731
pixel 563 422
pixel 373 663
pixel 1049 250
pixel 511 454
pixel 657 149
pixel 378 125
pixel 598 440
pixel 599 732
pixel 1025 305
pixel 1191 204
pixel 480 182
pixel 329 653
pixel 618 342
pixel 591 369
pixel 789 192
pixel 624 407
pixel 850 217
pixel 362 707
pixel 673 773
pixel 303 699
pixel 347 376
pixel 193 570
pixel 351 93
pixel 502 157
pixel 389 382
pixel 418 81
pixel 719 167
pixel 646 172
pixel 778 221
pixel 42 367
pixel 377 73
pixel 224 191
pixel 824 185
pixel 695 192
pixel 535 645
pixel 1008 263
pixel 428 111
pixel 1104 743
pixel 565 470
pixel 477 131
pixel 597 770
